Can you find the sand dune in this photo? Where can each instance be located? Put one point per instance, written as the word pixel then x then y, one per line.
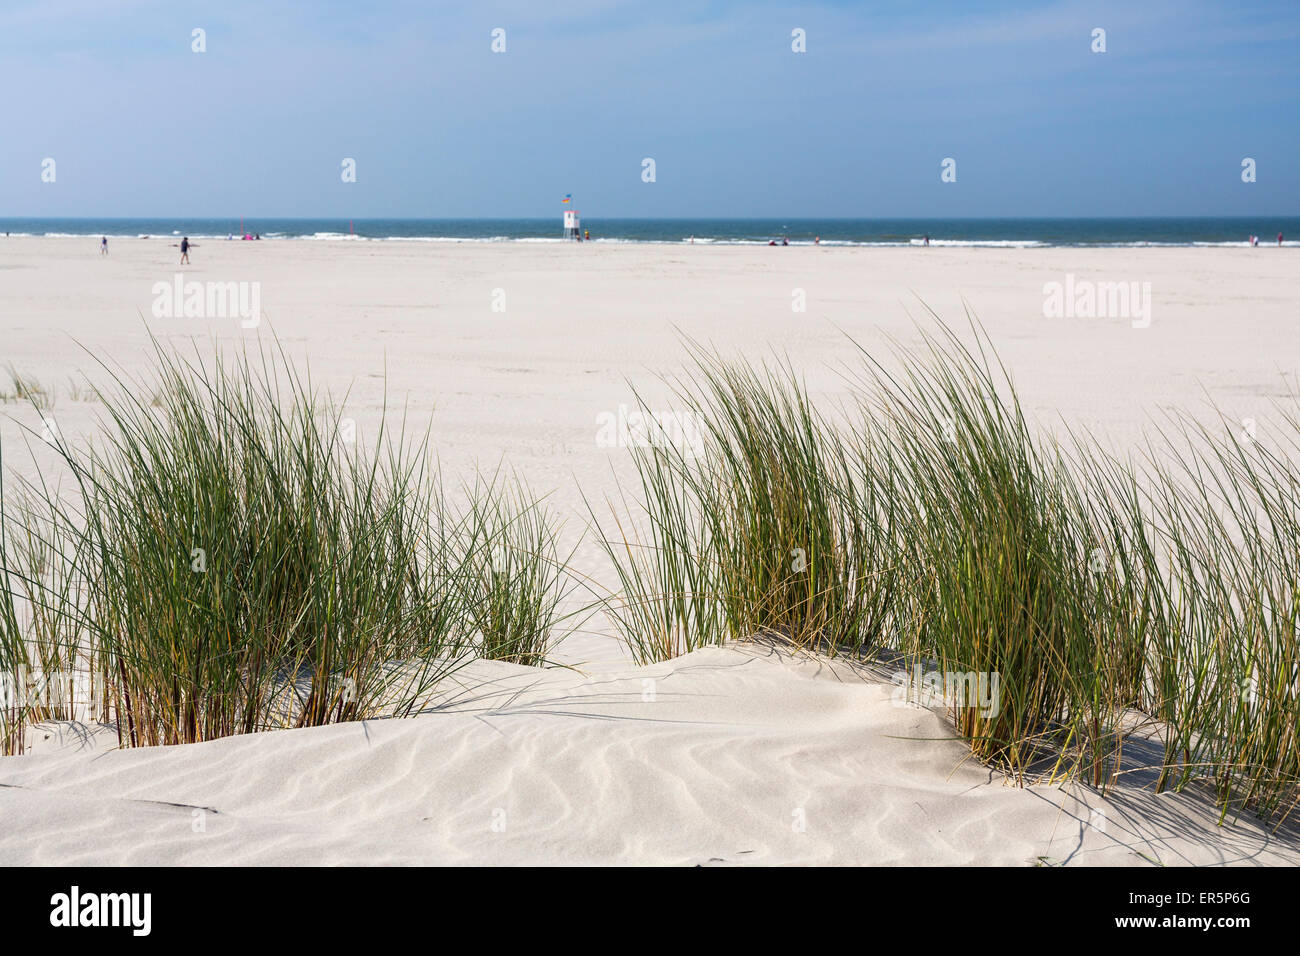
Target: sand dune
pixel 734 755
pixel 725 756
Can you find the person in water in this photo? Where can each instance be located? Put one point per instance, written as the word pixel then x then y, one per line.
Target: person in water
pixel 185 250
pixel 103 245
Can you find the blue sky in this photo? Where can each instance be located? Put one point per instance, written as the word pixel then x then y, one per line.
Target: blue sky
pixel 737 123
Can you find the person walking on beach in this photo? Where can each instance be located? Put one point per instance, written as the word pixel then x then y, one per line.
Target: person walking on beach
pixel 103 245
pixel 185 250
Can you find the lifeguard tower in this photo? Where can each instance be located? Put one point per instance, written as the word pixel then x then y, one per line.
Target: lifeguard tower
pixel 572 224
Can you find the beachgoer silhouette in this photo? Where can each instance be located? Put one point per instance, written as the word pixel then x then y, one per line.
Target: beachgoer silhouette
pixel 103 245
pixel 185 250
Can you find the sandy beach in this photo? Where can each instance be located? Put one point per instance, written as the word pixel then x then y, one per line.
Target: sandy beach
pixel 511 352
pixel 727 756
pixel 573 322
pixel 578 322
pixel 583 325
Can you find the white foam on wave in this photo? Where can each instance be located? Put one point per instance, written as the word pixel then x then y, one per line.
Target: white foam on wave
pixel 694 240
pixel 987 243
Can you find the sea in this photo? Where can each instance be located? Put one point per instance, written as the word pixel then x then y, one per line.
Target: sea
pixel 1012 233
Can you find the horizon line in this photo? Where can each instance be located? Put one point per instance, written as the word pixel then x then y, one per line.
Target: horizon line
pixel 805 218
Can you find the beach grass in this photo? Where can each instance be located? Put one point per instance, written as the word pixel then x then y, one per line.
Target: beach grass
pixel 13 644
pixel 80 390
pixel 755 525
pixel 27 388
pixel 1002 585
pixel 515 578
pixel 1227 635
pixel 1060 598
pixel 232 559
pixel 1104 593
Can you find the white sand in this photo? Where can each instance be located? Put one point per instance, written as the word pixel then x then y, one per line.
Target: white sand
pixel 724 756
pixel 735 741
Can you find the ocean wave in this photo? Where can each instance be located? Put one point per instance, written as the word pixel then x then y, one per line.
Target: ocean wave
pixel 469 239
pixel 904 243
pixel 990 243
